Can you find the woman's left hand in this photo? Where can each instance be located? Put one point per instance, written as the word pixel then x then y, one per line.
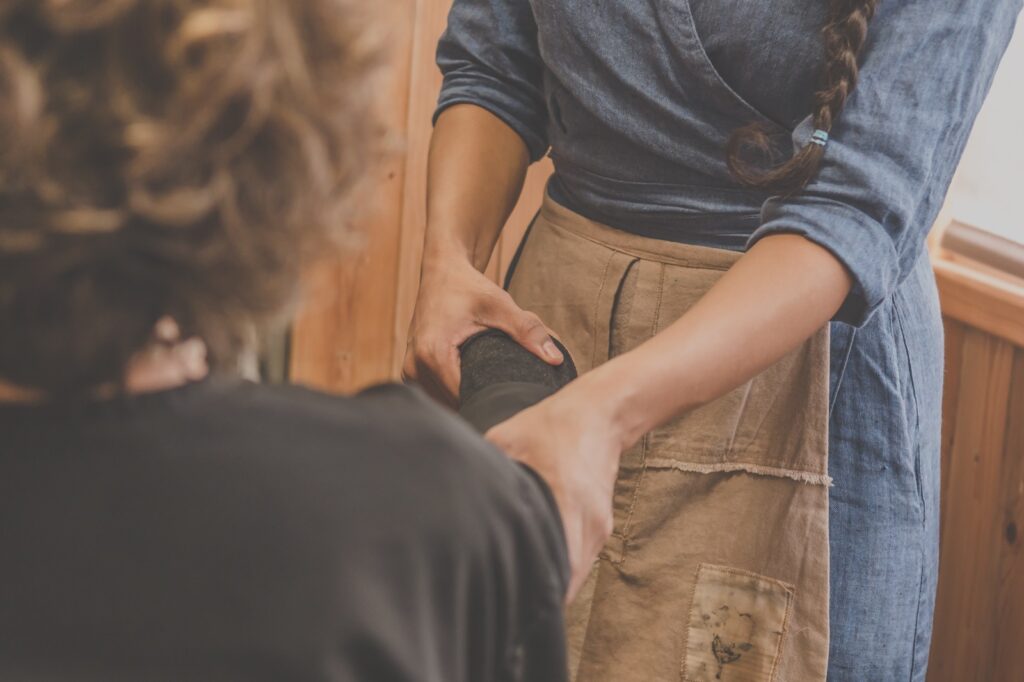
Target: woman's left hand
pixel 572 444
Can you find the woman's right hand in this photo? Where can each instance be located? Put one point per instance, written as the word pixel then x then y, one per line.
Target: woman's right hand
pixel 456 301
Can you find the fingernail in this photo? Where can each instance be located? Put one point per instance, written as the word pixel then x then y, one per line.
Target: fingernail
pixel 551 350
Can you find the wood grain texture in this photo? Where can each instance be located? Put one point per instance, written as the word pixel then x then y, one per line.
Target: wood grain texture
pixel 1008 652
pixel 970 623
pixel 982 300
pixel 954 341
pixel 342 337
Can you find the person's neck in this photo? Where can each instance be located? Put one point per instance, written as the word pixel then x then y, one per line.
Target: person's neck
pixel 165 364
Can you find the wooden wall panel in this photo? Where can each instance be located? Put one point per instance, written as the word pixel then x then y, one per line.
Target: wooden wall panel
pixel 979 615
pixel 1008 654
pixel 954 332
pixel 342 337
pixel 980 299
pixel 967 602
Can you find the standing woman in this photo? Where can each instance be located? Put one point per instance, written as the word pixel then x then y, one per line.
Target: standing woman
pixel 733 244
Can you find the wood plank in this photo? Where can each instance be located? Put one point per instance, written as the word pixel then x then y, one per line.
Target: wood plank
pixel 981 300
pixel 997 253
pixel 954 343
pixel 1009 627
pixel 965 622
pixel 342 337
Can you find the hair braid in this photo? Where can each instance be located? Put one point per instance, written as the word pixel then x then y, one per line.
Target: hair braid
pixel 844 35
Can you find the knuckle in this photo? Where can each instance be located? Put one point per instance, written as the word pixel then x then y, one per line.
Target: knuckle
pixel 424 349
pixel 492 302
pixel 415 348
pixel 435 351
pixel 435 361
pixel 530 322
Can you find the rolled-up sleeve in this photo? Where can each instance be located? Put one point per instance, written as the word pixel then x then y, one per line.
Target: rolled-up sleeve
pixel 927 67
pixel 488 56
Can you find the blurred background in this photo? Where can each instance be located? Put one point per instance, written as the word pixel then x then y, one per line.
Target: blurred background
pixel 352 331
pixel 989 186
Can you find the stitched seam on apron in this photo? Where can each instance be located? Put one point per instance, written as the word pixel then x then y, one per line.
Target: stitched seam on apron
pixel 617 300
pixel 597 307
pixel 647 436
pixel 686 631
pixel 747 388
pixel 639 253
pixel 730 467
pixel 623 536
pixel 782 637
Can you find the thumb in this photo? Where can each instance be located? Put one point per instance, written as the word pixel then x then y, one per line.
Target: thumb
pixel 527 330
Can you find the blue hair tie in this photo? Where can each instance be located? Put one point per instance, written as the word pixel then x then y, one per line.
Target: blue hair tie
pixel 820 137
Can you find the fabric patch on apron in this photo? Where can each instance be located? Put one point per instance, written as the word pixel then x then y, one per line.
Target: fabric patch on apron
pixel 737 624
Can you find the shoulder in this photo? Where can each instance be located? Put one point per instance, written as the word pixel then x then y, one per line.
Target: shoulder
pixel 392 421
pixel 387 450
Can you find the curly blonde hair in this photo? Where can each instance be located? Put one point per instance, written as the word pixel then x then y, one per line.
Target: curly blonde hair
pixel 169 157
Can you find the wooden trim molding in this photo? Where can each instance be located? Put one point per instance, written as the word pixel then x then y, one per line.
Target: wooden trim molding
pixel 981 299
pixel 999 254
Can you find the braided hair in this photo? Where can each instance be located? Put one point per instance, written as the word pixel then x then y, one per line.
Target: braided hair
pixel 844 35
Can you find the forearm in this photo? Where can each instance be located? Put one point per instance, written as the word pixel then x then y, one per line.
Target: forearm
pixel 475 173
pixel 771 301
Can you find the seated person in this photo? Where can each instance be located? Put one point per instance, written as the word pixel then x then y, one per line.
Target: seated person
pixel 167 169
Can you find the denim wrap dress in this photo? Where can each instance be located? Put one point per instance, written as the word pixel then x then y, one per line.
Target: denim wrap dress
pixel 635 101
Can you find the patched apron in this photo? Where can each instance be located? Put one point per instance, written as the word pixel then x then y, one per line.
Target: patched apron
pixel 717 569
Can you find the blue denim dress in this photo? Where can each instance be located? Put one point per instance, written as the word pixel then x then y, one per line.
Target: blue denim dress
pixel 636 101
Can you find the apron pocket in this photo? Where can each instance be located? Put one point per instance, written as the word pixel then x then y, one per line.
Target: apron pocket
pixel 737 624
pixel 776 424
pixel 596 288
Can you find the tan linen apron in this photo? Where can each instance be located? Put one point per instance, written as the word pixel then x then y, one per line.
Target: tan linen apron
pixel 717 569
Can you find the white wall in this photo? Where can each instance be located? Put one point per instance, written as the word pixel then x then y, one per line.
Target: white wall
pixel 988 190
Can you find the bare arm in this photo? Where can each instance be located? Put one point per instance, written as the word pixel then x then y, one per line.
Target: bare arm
pixel 475 174
pixel 775 297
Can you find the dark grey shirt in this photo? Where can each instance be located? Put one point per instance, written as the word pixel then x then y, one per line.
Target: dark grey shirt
pixel 226 531
pixel 637 100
